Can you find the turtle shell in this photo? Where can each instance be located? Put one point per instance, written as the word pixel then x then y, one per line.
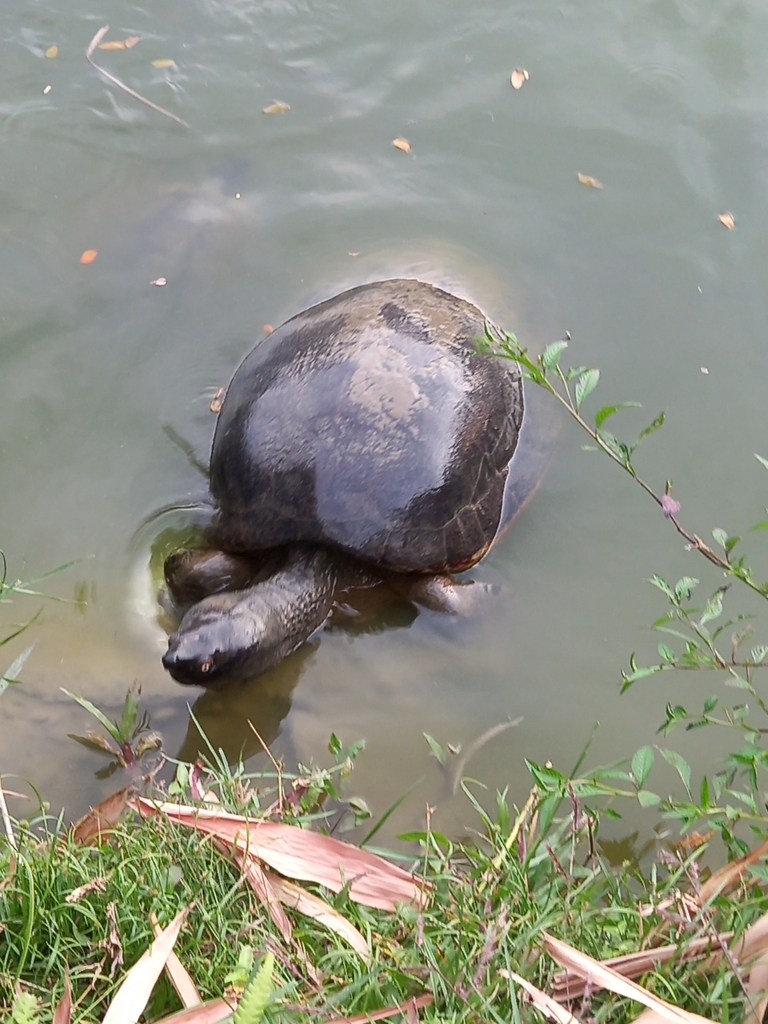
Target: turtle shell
pixel 372 424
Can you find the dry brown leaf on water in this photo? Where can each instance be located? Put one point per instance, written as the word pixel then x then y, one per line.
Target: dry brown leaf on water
pixel 164 62
pixel 88 256
pixel 518 78
pixel 546 1004
pixel 159 282
pixel 63 1012
pixel 413 1004
pixel 298 853
pixel 730 874
pixel 567 986
pixel 401 143
pixel 218 400
pixel 727 220
pixel 580 963
pixel 589 181
pixel 312 906
pixel 134 991
pixel 120 44
pixel 268 328
pixel 180 977
pixel 119 83
pixel 101 819
pixel 276 108
pixel 206 1013
pixel 52 51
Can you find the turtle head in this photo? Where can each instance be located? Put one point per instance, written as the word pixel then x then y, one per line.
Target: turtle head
pixel 215 645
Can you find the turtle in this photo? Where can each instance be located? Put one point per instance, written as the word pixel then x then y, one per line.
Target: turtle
pixel 368 438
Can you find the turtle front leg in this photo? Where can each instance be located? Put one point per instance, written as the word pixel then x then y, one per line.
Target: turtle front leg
pixel 192 575
pixel 442 593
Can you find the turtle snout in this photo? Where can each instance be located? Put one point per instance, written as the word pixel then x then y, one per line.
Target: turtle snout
pixel 183 667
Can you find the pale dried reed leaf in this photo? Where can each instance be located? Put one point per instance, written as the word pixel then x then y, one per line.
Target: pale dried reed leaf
pixel 757 990
pixel 293 895
pixel 101 819
pixel 753 942
pixel 206 1013
pixel 180 977
pixel 730 874
pixel 261 884
pixel 63 1012
pixel 580 963
pixel 133 994
pixel 567 986
pixel 413 1004
pixel 301 854
pixel 547 1005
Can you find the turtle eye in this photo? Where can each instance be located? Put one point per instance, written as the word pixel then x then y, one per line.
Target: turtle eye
pixel 206 666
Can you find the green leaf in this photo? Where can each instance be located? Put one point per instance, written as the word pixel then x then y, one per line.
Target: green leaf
pixel 652 427
pixel 713 608
pixel 684 587
pixel 642 763
pixel 738 682
pixel 704 798
pixel 759 653
pixel 647 799
pixel 710 705
pixel 666 653
pixel 681 766
pixel 334 744
pixel 585 385
pixel 253 1003
pixel 608 410
pixel 14 668
pixel 720 536
pixel 552 353
pixel 101 718
pixel 130 714
pixel 435 747
pixel 660 584
pixel 547 779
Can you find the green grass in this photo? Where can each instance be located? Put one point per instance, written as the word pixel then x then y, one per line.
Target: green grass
pixel 492 900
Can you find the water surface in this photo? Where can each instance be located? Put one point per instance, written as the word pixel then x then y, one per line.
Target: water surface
pixel 663 101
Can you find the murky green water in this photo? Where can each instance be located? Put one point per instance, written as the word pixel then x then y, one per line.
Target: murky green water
pixel 664 102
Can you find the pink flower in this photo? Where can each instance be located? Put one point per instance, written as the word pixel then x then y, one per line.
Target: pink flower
pixel 669 506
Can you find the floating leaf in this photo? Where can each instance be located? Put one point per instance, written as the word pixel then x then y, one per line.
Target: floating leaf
pixel 46 90
pixel 727 220
pixel 52 51
pixel 159 282
pixel 276 108
pixel 218 400
pixel 587 179
pixel 401 143
pixel 89 256
pixel 518 78
pixel 164 62
pixel 120 44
